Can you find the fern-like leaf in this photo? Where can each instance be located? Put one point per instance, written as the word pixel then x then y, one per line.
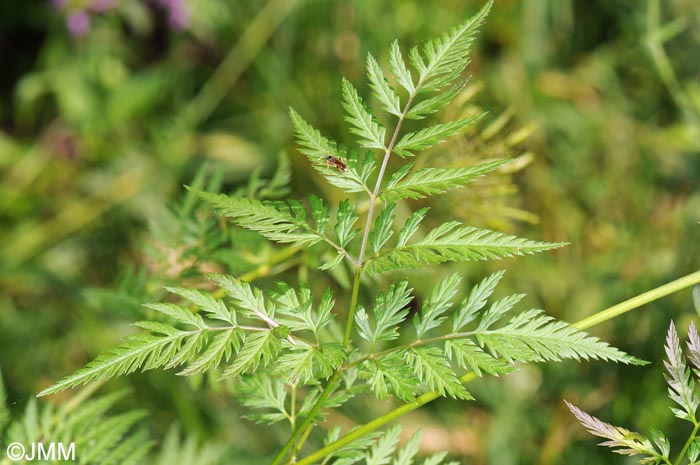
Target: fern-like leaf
pixel 435 306
pixel 219 350
pixel 279 222
pixel 433 369
pixel 259 349
pixel 469 307
pixel 140 351
pixel 381 87
pixel 392 372
pixel 433 104
pixel 389 311
pixel 621 440
pixel 470 356
pixel 427 137
pixel 534 336
pixel 453 242
pixel 361 120
pixel 346 219
pixel 382 228
pixel 444 58
pixel 214 307
pixel 266 394
pixel 383 449
pixel 681 386
pixel 431 181
pixel 316 147
pixel 399 68
pixel 411 226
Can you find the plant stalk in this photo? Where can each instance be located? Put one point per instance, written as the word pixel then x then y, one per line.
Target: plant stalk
pixel 679 459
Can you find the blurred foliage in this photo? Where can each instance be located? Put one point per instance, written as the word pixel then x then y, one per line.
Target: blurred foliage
pixel 100 125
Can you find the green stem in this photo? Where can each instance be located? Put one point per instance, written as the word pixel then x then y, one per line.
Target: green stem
pixel 355 289
pixel 687 444
pixel 308 420
pixel 600 317
pixel 638 301
pixel 353 306
pixel 301 441
pixel 410 345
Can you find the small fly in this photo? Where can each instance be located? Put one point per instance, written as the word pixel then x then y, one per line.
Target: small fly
pixel 337 162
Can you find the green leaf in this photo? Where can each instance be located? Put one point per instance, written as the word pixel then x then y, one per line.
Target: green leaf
pixel 329 265
pixel 453 242
pixel 661 441
pixel 399 68
pixel 352 452
pixel 297 306
pixel 437 303
pixel 382 228
pixel 279 222
pixel 470 356
pixel 346 219
pixel 266 393
pixel 316 148
pixel 389 311
pixel 433 369
pixel 431 105
pixel 105 434
pixel 297 363
pixel 431 181
pixel 219 350
pixel 319 213
pixel 383 449
pixel 139 351
pixel 497 310
pixel 427 137
pixel 214 307
pixel 324 311
pixel 411 226
pixel 535 336
pixel 188 351
pixel 468 308
pixel 447 56
pixel 381 87
pixel 313 144
pixel 361 120
pixel 178 314
pixel 409 450
pixel 390 371
pixel 259 349
pixel 248 297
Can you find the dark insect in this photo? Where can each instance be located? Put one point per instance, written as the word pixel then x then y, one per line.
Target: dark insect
pixel 337 162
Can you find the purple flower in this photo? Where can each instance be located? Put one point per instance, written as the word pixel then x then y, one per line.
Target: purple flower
pixel 78 23
pixel 58 4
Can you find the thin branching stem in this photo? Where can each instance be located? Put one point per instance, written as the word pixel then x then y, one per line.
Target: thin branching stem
pixel 370 214
pixel 308 420
pixel 410 345
pixel 331 385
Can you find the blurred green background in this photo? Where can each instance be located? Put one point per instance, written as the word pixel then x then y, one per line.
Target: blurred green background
pixel 108 107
